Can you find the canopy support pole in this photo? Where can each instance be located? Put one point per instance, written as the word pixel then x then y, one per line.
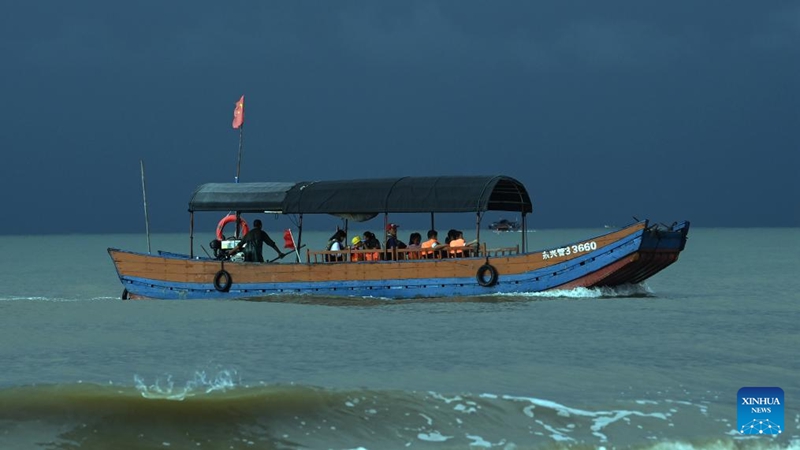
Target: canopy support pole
pixel 385 233
pixel 433 225
pixel 238 217
pixel 300 237
pixel 191 234
pixel 524 233
pixel 478 232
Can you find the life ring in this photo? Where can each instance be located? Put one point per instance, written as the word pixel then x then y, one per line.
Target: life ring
pixel 228 219
pixel 481 275
pixel 218 285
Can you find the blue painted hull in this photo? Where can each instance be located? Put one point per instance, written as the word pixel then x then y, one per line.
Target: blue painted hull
pixel 630 259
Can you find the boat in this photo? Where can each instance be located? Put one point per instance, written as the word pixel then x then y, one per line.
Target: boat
pixel 505 225
pixel 628 255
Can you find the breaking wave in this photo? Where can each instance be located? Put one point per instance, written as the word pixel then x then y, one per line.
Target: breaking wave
pixel 628 290
pixel 215 410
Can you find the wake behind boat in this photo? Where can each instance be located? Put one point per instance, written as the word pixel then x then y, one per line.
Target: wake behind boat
pixel 627 256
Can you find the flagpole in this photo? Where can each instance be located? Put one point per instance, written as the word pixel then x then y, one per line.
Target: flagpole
pixel 296 250
pixel 144 197
pixel 241 144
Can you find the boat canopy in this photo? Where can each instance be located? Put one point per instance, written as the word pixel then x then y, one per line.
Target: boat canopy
pixel 368 197
pixel 245 197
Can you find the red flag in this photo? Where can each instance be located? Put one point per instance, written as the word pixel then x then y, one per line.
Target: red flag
pixel 238 113
pixel 288 240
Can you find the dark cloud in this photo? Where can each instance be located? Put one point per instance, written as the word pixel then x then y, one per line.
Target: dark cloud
pixel 684 110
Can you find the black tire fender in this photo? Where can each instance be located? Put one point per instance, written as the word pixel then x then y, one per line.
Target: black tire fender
pixel 220 284
pixel 125 294
pixel 481 275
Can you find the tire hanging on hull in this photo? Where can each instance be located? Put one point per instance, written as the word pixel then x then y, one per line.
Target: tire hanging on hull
pixel 481 275
pixel 219 284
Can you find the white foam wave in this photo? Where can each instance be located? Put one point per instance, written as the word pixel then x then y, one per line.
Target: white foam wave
pixel 433 436
pixel 628 290
pixel 164 388
pixel 600 419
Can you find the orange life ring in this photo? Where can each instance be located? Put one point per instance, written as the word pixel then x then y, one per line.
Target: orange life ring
pixel 228 219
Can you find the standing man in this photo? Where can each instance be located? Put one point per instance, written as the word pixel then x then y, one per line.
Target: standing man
pixel 252 241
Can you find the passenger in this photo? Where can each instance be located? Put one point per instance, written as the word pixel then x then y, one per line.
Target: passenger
pixel 335 244
pixel 371 242
pixel 414 243
pixel 357 245
pixel 452 234
pixel 431 243
pixel 459 248
pixel 251 243
pixel 392 243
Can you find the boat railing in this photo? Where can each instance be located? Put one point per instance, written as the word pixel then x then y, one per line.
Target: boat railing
pixel 502 251
pixel 406 254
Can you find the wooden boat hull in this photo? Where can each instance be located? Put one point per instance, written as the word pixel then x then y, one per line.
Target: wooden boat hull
pixel 629 255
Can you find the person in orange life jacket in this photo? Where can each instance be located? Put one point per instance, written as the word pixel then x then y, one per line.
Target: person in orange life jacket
pixel 357 245
pixel 431 243
pixel 252 241
pixel 392 242
pixel 336 244
pixel 371 242
pixel 458 247
pixel 451 235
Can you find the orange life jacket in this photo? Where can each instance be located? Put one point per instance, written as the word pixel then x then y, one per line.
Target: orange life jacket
pixel 430 243
pixel 457 243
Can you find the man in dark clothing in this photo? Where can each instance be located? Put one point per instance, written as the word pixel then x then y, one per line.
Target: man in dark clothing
pixel 252 241
pixel 392 242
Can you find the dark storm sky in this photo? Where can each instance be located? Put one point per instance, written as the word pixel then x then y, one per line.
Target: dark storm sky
pixel 604 110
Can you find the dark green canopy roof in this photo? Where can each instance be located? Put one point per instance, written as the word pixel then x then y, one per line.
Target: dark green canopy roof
pixel 245 197
pixel 367 196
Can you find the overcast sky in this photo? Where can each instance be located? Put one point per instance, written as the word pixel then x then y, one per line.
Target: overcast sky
pixel 604 110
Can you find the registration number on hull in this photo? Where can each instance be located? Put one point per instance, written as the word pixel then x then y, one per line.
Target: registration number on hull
pixel 570 250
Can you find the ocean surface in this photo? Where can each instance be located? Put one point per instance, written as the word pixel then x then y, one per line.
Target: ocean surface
pixel 653 366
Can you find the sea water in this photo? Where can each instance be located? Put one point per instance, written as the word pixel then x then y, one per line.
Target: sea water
pixel 656 365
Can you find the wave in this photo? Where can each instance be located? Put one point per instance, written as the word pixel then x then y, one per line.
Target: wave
pixel 626 291
pixel 219 412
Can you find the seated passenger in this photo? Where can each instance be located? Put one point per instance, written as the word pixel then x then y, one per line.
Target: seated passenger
pixel 414 243
pixel 392 243
pixel 431 243
pixel 357 244
pixel 452 234
pixel 335 244
pixel 458 248
pixel 371 242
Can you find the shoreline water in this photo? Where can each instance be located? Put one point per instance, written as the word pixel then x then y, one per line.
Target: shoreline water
pixel 653 368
